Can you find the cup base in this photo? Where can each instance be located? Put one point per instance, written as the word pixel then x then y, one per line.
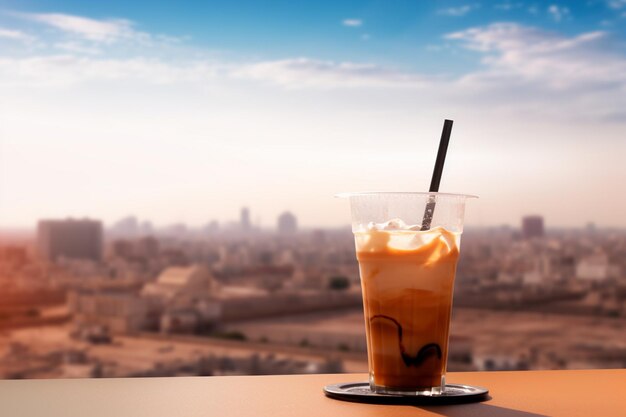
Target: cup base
pixel 408 391
pixel 361 392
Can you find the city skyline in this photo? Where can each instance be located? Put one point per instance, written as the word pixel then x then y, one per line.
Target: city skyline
pixel 146 227
pixel 165 298
pixel 181 114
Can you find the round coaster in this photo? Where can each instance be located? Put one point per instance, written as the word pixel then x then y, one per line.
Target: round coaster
pixel 360 392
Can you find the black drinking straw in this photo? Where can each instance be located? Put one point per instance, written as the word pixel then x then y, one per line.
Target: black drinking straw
pixel 436 178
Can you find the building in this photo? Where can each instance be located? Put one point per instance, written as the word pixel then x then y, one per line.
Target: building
pixel 182 286
pixel 117 311
pixel 69 239
pixel 532 226
pixel 127 227
pixel 594 267
pixel 13 255
pixel 245 219
pixel 184 298
pixel 148 247
pixel 287 223
pixel 122 248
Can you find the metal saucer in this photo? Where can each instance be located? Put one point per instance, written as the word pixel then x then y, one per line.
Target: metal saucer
pixel 360 392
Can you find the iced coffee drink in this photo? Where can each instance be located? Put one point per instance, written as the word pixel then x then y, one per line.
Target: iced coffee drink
pixel 407 278
pixel 407 270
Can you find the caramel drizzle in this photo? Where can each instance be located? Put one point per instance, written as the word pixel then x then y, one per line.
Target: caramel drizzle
pixel 426 350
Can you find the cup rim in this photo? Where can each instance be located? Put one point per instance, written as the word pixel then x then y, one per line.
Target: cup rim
pixel 399 193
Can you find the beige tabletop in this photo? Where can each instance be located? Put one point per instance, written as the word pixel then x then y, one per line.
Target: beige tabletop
pixel 599 393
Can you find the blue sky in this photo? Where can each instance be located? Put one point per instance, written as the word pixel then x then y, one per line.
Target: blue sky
pixel 408 34
pixel 184 111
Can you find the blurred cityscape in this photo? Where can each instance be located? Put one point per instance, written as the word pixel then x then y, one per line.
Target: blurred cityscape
pixel 81 300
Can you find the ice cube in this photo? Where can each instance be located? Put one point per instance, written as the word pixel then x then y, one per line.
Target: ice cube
pixel 394 224
pixel 373 226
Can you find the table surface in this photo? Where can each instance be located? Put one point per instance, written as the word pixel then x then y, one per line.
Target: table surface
pixel 513 394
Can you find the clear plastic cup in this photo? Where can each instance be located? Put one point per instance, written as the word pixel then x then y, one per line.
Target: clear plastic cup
pixel 407 267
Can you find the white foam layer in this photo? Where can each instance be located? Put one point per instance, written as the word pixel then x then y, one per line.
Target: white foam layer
pixel 396 234
pixel 393 224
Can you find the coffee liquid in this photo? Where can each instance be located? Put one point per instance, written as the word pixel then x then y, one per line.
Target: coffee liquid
pixel 407 280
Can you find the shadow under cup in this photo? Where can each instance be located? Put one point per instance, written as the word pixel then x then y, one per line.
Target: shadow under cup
pixel 407 269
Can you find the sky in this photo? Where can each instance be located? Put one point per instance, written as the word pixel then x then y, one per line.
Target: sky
pixel 186 111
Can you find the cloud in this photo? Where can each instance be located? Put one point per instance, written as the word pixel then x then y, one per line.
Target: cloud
pixel 106 31
pixel 299 73
pixel 521 66
pixel 505 37
pixel 305 73
pixel 506 6
pixel 541 73
pixel 15 35
pixel 513 57
pixel 77 47
pixel 68 70
pixel 457 11
pixel 616 4
pixel 521 55
pixel 558 13
pixel 352 22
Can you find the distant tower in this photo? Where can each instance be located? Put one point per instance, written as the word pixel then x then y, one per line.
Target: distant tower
pixel 212 227
pixel 72 239
pixel 146 228
pixel 245 219
pixel 532 226
pixel 127 227
pixel 287 223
